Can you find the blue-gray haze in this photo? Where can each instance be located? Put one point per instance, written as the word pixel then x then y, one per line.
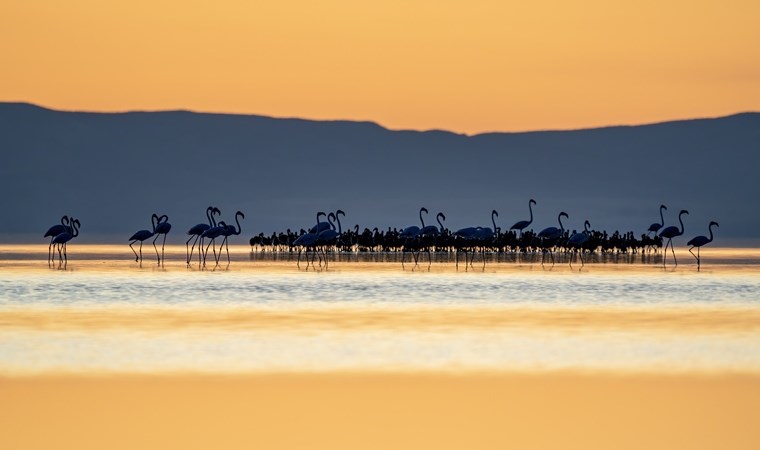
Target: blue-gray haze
pixel 112 171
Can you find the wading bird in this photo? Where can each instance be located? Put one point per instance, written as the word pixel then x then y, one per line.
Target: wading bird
pixel 196 231
pixel 699 241
pixel 655 227
pixel 669 233
pixel 550 235
pixel 54 231
pixel 63 238
pixel 230 230
pixel 162 227
pixel 523 224
pixel 142 235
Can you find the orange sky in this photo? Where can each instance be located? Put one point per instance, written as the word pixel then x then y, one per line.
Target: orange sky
pixel 466 66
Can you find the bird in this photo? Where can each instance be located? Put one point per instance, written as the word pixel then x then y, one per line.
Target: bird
pixel 669 233
pixel 432 230
pixel 413 231
pixel 162 227
pixel 410 235
pixel 142 235
pixel 63 238
pixel 196 231
pixel 577 240
pixel 211 234
pixel 329 238
pixel 550 234
pixel 230 230
pixel 700 241
pixel 523 224
pixel 655 227
pixel 308 241
pixel 54 231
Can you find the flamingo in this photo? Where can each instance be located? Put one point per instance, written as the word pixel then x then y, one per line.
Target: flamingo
pixel 54 231
pixel 655 227
pixel 196 231
pixel 162 227
pixel 308 240
pixel 429 234
pixel 669 233
pixel 213 233
pixel 62 239
pixel 551 234
pixel 410 235
pixel 699 241
pixel 230 230
pixel 142 235
pixel 330 237
pixel 578 239
pixel 523 224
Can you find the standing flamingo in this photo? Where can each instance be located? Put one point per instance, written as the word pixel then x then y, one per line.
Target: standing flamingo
pixel 307 241
pixel 142 235
pixel 655 227
pixel 230 230
pixel 523 224
pixel 329 238
pixel 577 240
pixel 162 227
pixel 411 235
pixel 669 233
pixel 196 231
pixel 699 241
pixel 550 235
pixel 54 231
pixel 63 238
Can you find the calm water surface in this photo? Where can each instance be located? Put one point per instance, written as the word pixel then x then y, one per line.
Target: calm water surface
pixel 105 313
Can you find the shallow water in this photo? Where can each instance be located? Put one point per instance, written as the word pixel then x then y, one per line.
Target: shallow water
pixel 102 312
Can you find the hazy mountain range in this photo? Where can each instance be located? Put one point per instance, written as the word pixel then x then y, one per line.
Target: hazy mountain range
pixel 113 170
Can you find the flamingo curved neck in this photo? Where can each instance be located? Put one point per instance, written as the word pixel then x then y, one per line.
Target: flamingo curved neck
pixel 493 220
pixel 530 208
pixel 711 232
pixel 662 219
pixel 237 221
pixel 340 228
pixel 561 227
pixel 422 221
pixel 438 219
pixel 208 215
pixel 680 220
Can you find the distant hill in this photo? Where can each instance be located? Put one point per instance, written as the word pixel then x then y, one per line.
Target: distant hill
pixel 113 170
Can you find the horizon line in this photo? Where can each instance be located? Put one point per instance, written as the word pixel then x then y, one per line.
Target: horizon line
pixel 378 124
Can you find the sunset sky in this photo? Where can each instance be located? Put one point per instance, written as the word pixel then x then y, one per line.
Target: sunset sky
pixel 463 66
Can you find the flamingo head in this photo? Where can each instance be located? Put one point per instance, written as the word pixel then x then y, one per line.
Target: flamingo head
pixel 713 223
pixel 532 201
pixel 683 211
pixel 663 207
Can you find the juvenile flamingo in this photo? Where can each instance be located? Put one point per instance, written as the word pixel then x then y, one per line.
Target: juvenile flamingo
pixel 699 241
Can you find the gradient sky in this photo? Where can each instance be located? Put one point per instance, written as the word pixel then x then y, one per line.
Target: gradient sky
pixel 464 66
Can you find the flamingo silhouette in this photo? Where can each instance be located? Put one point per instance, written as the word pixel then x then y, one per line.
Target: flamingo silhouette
pixel 655 227
pixel 699 241
pixel 63 238
pixel 551 234
pixel 523 224
pixel 410 236
pixel 230 230
pixel 430 233
pixel 162 227
pixel 142 235
pixel 308 240
pixel 195 233
pixel 577 240
pixel 328 238
pixel 669 233
pixel 54 231
pixel 211 234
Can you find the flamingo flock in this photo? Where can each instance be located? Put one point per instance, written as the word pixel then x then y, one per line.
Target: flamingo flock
pixel 327 236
